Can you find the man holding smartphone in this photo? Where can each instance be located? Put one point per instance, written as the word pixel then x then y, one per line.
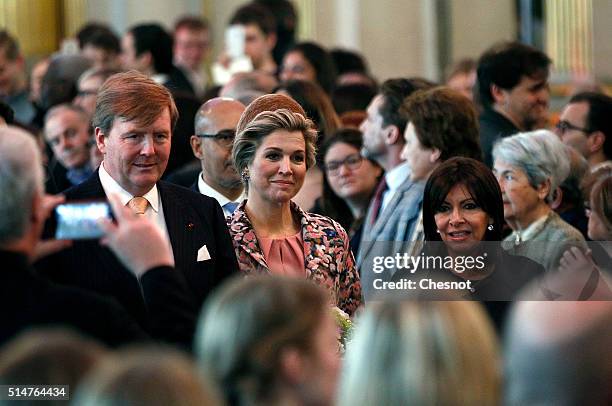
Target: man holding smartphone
pixel 34 301
pixel 133 125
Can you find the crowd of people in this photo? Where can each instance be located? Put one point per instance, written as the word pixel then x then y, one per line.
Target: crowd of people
pixel 301 234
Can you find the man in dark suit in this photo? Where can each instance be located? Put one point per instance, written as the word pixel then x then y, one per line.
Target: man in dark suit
pixel 133 128
pixel 34 301
pixel 215 128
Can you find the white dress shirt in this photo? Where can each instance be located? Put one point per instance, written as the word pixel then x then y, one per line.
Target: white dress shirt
pixel 154 211
pixel 394 178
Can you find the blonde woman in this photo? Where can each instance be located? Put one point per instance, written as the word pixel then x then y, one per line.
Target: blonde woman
pixel 271 234
pixel 422 353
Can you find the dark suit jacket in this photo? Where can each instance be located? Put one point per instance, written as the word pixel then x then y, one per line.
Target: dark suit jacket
pixel 172 315
pixel 56 180
pixel 193 220
pixel 493 127
pixel 28 300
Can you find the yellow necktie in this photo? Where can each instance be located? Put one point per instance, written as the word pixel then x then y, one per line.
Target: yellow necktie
pixel 138 204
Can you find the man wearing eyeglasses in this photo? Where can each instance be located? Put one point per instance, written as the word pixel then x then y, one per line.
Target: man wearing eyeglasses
pixel 215 128
pixel 586 125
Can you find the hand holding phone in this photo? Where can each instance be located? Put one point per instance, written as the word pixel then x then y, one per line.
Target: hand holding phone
pixel 79 220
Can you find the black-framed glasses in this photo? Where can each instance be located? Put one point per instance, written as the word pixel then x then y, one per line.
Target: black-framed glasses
pixel 564 126
pixel 223 137
pixel 352 162
pixel 84 93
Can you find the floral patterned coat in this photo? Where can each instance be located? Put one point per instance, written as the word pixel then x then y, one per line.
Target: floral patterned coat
pixel 328 259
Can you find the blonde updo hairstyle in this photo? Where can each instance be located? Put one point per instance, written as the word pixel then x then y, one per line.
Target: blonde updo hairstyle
pixel 262 117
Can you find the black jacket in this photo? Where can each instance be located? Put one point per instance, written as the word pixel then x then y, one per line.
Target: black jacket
pixel 493 127
pixel 193 220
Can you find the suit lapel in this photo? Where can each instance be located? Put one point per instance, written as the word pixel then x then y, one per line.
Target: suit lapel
pixel 372 232
pixel 91 188
pixel 183 228
pixel 102 256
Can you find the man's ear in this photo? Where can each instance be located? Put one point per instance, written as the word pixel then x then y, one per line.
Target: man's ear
pixel 20 61
pixel 498 94
pixel 271 41
pixel 596 141
pixel 196 144
pixel 392 134
pixel 435 155
pixel 292 365
pixel 100 140
pixel 146 60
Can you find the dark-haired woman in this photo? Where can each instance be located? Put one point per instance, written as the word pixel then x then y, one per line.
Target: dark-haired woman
pixel 463 216
pixel 309 61
pixel 349 183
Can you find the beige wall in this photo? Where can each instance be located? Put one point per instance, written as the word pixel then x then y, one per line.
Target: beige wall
pixel 602 40
pixel 122 14
pixel 398 37
pixel 476 24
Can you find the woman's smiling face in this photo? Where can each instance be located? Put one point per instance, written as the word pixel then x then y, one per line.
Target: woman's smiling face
pixel 462 223
pixel 279 167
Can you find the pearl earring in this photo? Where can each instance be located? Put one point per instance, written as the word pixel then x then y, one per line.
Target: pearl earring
pixel 490 227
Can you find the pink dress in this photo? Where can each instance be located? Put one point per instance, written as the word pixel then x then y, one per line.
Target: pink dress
pixel 284 256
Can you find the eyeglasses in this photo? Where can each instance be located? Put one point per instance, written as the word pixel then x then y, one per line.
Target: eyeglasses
pixel 564 126
pixel 84 93
pixel 352 162
pixel 223 137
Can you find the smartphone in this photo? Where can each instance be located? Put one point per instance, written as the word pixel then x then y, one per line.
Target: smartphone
pixel 79 220
pixel 235 37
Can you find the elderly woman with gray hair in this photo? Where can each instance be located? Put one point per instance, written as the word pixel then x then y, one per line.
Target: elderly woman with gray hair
pixel 529 167
pixel 273 148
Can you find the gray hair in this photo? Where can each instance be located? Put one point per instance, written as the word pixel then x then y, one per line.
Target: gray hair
pixel 250 138
pixel 103 74
pixel 55 110
pixel 21 178
pixel 539 154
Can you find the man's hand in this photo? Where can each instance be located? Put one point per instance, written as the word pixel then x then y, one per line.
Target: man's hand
pixel 136 241
pixel 48 247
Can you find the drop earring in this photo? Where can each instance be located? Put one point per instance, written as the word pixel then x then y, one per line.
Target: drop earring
pixel 245 175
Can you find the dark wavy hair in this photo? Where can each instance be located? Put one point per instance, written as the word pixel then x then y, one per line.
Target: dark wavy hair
pixel 479 181
pixel 505 63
